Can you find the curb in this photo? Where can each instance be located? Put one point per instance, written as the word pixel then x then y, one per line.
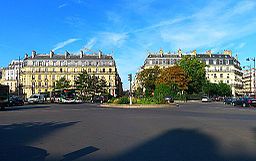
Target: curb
pixel 137 106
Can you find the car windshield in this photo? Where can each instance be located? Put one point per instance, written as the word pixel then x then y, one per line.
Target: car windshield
pixel 34 96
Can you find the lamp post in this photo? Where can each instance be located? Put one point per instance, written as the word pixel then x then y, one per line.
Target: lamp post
pixel 254 75
pixel 130 93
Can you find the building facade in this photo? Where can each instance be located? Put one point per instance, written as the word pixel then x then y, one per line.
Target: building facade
pixel 249 84
pixel 221 67
pixel 11 75
pixel 41 71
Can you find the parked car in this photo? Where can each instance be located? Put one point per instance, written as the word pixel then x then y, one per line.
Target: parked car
pixel 229 100
pixel 245 102
pixel 206 99
pixel 99 99
pixel 16 101
pixel 36 98
pixel 169 99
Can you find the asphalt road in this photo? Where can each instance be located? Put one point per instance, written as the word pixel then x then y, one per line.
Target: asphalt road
pixel 84 132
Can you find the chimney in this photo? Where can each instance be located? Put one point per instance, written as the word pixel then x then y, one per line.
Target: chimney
pixel 100 54
pixel 81 54
pixel 161 52
pixel 180 53
pixel 33 53
pixel 51 53
pixel 193 52
pixel 209 52
pixel 228 52
pixel 26 56
pixel 66 54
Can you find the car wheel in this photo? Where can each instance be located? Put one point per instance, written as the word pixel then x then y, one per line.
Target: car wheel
pixel 233 104
pixel 244 105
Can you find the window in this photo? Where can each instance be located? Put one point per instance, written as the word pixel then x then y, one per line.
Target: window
pixel 103 70
pixel 110 70
pixel 215 76
pixel 60 69
pixel 231 62
pixel 53 77
pixel 221 75
pixel 39 77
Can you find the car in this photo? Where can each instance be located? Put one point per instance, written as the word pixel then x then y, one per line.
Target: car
pixel 169 99
pixel 16 101
pixel 206 99
pixel 99 99
pixel 245 102
pixel 36 98
pixel 229 100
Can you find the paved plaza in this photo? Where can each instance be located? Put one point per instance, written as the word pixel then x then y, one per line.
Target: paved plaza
pixel 85 132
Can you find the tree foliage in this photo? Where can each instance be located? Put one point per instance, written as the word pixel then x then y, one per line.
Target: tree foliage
pixel 148 77
pixel 173 76
pixel 161 91
pixel 214 89
pixel 62 83
pixel 90 85
pixel 195 71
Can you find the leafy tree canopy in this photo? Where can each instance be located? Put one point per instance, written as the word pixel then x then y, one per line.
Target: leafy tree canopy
pixel 62 83
pixel 148 77
pixel 172 76
pixel 195 71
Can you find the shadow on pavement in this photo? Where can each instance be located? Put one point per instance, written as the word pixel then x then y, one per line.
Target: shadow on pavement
pixel 15 108
pixel 179 145
pixel 79 153
pixel 15 140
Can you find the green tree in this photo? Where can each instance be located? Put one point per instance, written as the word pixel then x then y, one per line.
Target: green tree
pixel 90 85
pixel 195 71
pixel 214 89
pixel 82 83
pixel 148 77
pixel 161 91
pixel 62 83
pixel 224 89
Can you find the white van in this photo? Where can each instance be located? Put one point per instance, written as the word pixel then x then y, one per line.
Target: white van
pixel 36 98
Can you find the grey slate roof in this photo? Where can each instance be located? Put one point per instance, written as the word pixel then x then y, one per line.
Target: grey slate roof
pixel 71 56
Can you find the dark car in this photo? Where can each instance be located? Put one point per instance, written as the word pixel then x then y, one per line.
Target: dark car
pixel 169 99
pixel 99 99
pixel 245 102
pixel 229 100
pixel 16 101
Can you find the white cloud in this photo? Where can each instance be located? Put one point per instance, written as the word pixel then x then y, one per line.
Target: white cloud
pixel 241 45
pixel 112 38
pixel 62 5
pixel 90 43
pixel 212 28
pixel 64 43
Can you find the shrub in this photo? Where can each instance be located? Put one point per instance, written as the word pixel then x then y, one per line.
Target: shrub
pixel 161 91
pixel 124 100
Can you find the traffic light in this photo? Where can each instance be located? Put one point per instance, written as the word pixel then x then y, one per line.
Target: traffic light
pixel 130 77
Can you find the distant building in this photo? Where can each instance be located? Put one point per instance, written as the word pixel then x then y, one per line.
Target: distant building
pixel 41 71
pixel 10 75
pixel 249 86
pixel 221 67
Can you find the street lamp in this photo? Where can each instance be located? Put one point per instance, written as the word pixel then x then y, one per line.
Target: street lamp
pixel 130 93
pixel 254 75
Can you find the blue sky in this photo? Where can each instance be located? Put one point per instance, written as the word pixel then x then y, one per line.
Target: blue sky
pixel 126 28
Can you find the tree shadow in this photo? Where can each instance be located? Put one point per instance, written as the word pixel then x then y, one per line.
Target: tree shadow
pixel 179 145
pixel 17 108
pixel 15 140
pixel 79 153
